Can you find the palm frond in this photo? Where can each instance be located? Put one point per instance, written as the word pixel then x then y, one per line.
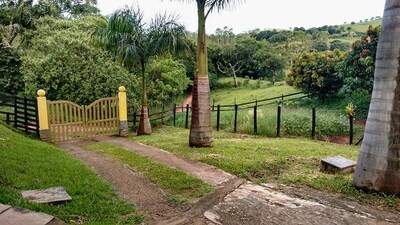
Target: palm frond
pixel 220 5
pixel 166 34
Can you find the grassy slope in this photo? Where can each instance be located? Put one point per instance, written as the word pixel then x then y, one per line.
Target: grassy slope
pixel 250 92
pixel 177 184
pixel 357 27
pixel 268 160
pixel 31 164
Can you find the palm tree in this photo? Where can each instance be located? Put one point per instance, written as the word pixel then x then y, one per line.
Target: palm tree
pixel 378 166
pixel 125 34
pixel 201 130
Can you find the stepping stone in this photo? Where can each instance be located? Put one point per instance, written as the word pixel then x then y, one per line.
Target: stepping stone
pixel 337 164
pixel 50 195
pixel 16 216
pixel 3 208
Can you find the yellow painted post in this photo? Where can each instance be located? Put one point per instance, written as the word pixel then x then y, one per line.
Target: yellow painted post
pixel 123 112
pixel 44 131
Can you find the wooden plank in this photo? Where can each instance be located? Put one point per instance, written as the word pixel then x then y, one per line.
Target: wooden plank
pixel 57 133
pixel 62 121
pixel 97 118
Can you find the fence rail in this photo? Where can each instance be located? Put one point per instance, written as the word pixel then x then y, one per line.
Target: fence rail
pixel 181 113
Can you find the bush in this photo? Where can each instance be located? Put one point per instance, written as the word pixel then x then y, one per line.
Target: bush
pixel 315 73
pixel 357 69
pixel 166 81
pixel 11 80
pixel 61 61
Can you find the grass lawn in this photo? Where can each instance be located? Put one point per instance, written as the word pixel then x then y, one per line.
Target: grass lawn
pixel 31 164
pixel 180 186
pixel 260 159
pixel 250 92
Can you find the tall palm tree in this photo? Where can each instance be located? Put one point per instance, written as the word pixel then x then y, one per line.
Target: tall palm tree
pixel 126 35
pixel 201 130
pixel 378 166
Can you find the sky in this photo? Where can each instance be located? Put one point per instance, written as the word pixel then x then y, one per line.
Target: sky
pixel 262 14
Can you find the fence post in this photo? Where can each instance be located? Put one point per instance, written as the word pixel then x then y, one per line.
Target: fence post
pixel 218 116
pixel 351 130
pixel 162 115
pixel 174 112
pixel 278 127
pixel 15 111
pixel 187 117
pixel 134 120
pixel 25 115
pixel 44 131
pixel 235 124
pixel 123 112
pixel 8 118
pixel 282 97
pixel 313 123
pixel 255 119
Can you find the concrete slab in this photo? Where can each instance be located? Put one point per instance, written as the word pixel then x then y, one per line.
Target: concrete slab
pixel 49 195
pixel 337 164
pixel 16 216
pixel 4 208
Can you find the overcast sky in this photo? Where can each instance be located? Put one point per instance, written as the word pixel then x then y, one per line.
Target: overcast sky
pixel 261 14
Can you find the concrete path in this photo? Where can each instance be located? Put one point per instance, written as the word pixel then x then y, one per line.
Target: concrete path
pixel 236 201
pixel 17 216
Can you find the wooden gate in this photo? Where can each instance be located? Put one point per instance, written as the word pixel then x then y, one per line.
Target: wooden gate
pixel 68 120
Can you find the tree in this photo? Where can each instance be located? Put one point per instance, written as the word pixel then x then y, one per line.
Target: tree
pixel 167 80
pixel 125 34
pixel 378 166
pixel 315 73
pixel 201 130
pixel 357 68
pixel 342 46
pixel 61 60
pixel 11 80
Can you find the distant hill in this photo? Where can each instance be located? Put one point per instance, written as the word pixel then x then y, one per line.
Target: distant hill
pixel 357 28
pixel 362 27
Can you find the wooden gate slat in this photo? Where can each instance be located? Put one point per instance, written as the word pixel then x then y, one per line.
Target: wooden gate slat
pixel 68 120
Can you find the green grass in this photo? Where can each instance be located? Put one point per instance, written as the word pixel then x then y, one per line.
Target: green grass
pixel 295 121
pixel 259 159
pixel 180 186
pixel 363 27
pixel 27 164
pixel 227 96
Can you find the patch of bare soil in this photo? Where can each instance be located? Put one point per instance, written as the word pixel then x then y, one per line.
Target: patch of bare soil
pixel 338 139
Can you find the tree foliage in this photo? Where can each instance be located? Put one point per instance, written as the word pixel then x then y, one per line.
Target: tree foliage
pixel 166 81
pixel 315 73
pixel 357 69
pixel 61 61
pixel 10 75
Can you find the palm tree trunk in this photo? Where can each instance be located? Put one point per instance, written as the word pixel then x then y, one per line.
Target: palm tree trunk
pixel 144 122
pixel 378 166
pixel 201 130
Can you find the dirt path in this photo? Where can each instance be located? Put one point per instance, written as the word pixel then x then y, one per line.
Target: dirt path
pixel 234 200
pixel 130 185
pixel 188 100
pixel 205 172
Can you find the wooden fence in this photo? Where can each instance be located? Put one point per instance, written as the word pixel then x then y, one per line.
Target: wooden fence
pixel 21 112
pixel 169 114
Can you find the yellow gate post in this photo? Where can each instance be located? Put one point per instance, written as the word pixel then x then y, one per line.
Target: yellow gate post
pixel 44 131
pixel 123 112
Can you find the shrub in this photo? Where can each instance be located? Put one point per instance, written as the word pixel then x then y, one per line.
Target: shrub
pixel 315 73
pixel 358 67
pixel 61 61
